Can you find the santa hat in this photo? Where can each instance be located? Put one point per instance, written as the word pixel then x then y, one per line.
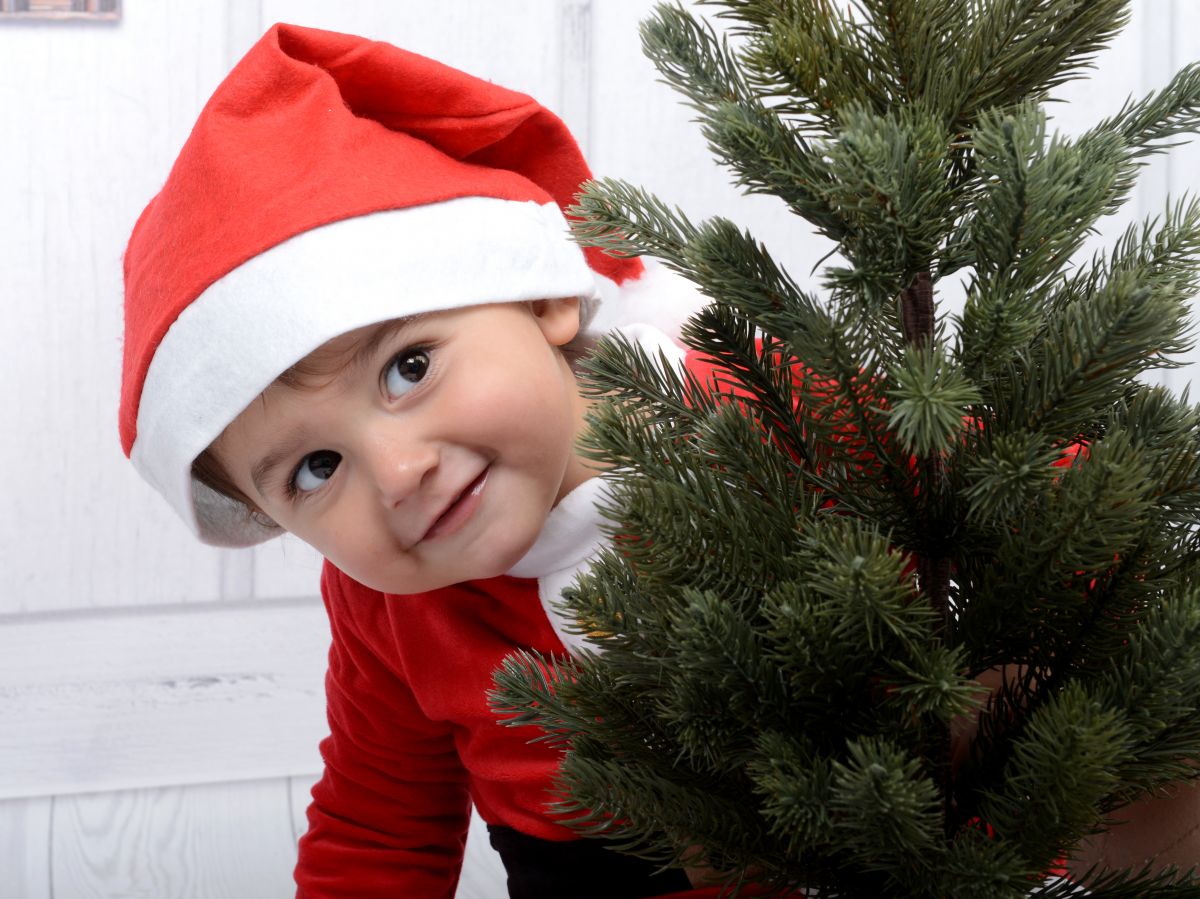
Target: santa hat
pixel 332 182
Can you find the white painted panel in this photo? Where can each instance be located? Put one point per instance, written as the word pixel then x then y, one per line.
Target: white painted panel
pixel 1185 49
pixel 300 791
pixel 284 567
pixel 25 849
pixel 137 698
pixel 213 841
pixel 209 842
pixel 1185 160
pixel 93 116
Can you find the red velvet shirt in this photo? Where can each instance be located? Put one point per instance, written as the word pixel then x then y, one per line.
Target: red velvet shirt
pixel 413 741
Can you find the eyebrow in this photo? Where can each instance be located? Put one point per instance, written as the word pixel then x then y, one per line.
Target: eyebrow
pixel 263 472
pixel 366 350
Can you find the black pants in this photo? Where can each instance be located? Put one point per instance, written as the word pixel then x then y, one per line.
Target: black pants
pixel 577 869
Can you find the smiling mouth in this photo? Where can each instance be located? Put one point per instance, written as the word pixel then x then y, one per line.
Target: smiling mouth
pixel 460 510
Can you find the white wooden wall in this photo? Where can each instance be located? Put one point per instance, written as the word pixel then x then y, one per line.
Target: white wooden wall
pixel 160 701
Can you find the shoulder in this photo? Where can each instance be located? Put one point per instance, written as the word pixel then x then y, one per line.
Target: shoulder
pixel 339 589
pixel 352 608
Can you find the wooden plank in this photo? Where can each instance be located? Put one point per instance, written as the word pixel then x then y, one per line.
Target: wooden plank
pixel 168 695
pixel 93 118
pixel 1153 27
pixel 575 72
pixel 212 841
pixel 300 795
pixel 25 848
pixel 285 567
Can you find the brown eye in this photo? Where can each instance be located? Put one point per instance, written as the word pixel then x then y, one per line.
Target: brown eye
pixel 404 371
pixel 315 469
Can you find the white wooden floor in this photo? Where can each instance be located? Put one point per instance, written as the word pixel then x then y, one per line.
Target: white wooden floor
pixel 203 841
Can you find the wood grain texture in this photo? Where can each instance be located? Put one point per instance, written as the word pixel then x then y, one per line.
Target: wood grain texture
pixel 210 841
pixel 25 848
pixel 1184 163
pixel 148 697
pixel 93 117
pixel 300 795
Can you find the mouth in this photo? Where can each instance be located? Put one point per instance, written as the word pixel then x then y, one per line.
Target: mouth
pixel 461 508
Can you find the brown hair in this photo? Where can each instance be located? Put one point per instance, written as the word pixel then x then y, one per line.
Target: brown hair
pixel 212 474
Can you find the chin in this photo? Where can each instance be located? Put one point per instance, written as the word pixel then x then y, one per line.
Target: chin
pixel 429 581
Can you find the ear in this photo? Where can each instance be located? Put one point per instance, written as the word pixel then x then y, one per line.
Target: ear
pixel 558 319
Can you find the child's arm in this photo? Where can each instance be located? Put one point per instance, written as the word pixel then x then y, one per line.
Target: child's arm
pixel 1164 830
pixel 389 816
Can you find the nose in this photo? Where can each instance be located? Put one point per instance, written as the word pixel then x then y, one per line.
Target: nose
pixel 399 464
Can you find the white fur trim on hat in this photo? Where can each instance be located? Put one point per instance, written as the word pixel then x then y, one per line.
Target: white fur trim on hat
pixel 257 321
pixel 660 298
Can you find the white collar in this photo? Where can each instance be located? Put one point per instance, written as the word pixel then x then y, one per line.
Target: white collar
pixel 570 535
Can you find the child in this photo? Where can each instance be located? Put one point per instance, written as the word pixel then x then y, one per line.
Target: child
pixel 349 314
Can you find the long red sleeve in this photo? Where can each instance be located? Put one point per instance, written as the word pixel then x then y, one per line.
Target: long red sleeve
pixel 389 815
pixel 412 740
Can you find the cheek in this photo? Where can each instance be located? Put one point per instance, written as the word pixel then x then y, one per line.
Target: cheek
pixel 528 411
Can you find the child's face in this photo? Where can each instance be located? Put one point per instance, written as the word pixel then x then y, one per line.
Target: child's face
pixel 433 460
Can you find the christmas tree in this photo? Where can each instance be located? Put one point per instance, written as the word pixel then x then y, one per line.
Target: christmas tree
pixel 897 604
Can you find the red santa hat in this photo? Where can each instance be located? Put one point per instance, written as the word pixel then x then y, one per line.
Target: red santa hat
pixel 332 182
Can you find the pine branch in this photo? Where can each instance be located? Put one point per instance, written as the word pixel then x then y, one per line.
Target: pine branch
pixel 914 42
pixel 812 57
pixel 928 395
pixel 1156 677
pixel 1045 559
pixel 1040 198
pixel 1063 764
pixel 1100 883
pixel 822 538
pixel 624 220
pixel 889 184
pixel 1164 259
pixel 886 810
pixel 1096 342
pixel 1003 475
pixel 1019 49
pixel 1175 109
pixel 766 155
